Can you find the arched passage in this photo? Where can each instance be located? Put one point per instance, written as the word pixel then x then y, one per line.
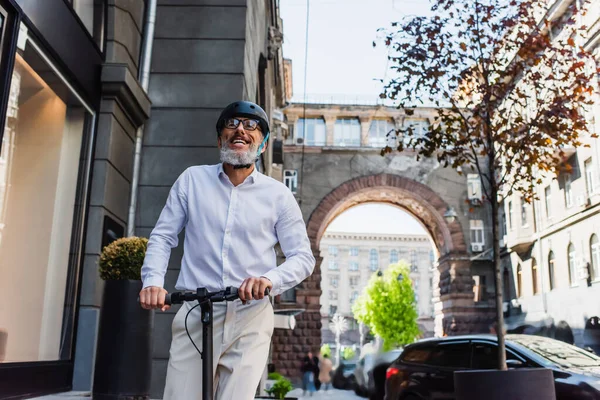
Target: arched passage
pixel 453 293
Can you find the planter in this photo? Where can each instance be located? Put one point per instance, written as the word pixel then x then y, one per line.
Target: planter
pixel 514 384
pixel 124 352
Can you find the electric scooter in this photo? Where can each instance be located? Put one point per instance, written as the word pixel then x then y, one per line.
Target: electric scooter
pixel 205 301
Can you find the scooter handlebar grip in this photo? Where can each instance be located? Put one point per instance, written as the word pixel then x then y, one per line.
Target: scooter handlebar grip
pixel 168 299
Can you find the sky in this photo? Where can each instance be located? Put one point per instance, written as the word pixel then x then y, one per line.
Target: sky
pixel 342 64
pixel 376 218
pixel 341 60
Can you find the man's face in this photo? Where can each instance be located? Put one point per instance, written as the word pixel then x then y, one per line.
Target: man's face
pixel 239 145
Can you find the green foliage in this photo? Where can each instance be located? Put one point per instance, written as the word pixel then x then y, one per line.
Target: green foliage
pixel 387 307
pixel 275 376
pixel 123 259
pixel 326 350
pixel 280 388
pixel 348 353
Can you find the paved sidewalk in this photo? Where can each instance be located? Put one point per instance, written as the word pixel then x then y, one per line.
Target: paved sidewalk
pixel 332 394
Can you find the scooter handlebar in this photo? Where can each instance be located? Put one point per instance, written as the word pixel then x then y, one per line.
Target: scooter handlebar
pixel 229 294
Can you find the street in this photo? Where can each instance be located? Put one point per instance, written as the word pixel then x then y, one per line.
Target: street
pixel 332 394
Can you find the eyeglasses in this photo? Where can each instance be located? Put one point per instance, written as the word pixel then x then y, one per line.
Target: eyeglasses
pixel 248 124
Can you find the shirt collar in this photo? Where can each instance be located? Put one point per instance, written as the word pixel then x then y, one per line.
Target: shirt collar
pixel 251 178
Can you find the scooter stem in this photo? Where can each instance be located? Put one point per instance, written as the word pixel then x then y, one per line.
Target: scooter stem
pixel 207 350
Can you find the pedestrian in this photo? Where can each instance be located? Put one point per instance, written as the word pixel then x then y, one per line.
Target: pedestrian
pixel 325 374
pixel 316 372
pixel 233 217
pixel 308 374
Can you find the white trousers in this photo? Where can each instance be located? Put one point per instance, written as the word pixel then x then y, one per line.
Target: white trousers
pixel 241 341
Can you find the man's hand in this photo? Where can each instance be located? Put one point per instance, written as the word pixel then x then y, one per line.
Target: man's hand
pixel 153 297
pixel 253 288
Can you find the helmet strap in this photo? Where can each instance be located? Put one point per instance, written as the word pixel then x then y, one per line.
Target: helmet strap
pixel 262 145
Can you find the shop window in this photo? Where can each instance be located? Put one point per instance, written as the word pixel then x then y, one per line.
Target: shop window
pixel 43 164
pixel 91 13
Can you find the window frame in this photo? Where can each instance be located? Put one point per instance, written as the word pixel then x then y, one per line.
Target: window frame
pixel 291 180
pixel 595 251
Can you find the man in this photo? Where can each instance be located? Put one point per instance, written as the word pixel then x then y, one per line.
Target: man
pixel 233 217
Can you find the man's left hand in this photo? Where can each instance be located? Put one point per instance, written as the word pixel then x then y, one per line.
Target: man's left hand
pixel 253 288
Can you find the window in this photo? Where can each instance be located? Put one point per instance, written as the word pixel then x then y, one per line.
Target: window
pixel 416 356
pixel 346 132
pixel 534 276
pixel 373 260
pixel 506 285
pixel 44 152
pixel 393 257
pixel 474 191
pixel 519 281
pixel 354 251
pixel 354 281
pixel 451 355
pixel 572 265
pixel 315 131
pixel 333 295
pixel 419 129
pixel 547 198
pixel 589 176
pixel 289 296
pixel 485 356
pixel 333 250
pixel 91 14
pixel 333 265
pixel 568 191
pixel 290 179
pixel 332 310
pixel 510 216
pixel 354 296
pixel 595 257
pixel 477 231
pixel 413 261
pixel 551 270
pixel 382 132
pixel 504 231
pixel 333 281
pixel 523 212
pixel 353 266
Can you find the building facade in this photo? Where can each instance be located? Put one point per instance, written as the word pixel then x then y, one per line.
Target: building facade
pixel 333 161
pixel 102 105
pixel 350 259
pixel 552 253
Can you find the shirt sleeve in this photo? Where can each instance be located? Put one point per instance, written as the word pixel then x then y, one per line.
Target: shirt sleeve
pixel 294 242
pixel 164 236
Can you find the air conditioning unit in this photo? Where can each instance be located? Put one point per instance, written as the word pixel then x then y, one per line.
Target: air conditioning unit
pixel 476 247
pixel 299 140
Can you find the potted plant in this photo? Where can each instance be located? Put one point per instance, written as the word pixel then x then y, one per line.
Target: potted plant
pixel 280 388
pixel 124 351
pixel 277 387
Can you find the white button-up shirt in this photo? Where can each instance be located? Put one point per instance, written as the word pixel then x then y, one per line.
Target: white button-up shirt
pixel 230 232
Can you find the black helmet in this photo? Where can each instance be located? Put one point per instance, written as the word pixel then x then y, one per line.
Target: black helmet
pixel 244 109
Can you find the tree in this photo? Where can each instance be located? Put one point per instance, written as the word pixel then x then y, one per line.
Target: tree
pixel 511 87
pixel 326 350
pixel 338 326
pixel 348 353
pixel 387 306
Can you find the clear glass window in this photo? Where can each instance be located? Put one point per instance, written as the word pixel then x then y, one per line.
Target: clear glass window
pixel 42 157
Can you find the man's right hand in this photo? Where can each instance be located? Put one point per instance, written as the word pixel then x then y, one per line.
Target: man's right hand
pixel 153 298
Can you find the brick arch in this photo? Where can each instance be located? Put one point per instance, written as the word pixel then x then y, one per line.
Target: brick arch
pixel 418 199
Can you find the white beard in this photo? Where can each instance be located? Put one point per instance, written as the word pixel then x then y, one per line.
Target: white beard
pixel 237 158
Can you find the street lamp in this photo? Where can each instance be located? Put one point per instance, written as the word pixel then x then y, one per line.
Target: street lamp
pixel 450 215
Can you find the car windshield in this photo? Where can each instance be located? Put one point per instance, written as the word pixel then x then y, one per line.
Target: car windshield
pixel 558 352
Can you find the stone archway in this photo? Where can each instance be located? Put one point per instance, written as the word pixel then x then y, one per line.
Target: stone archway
pixel 453 296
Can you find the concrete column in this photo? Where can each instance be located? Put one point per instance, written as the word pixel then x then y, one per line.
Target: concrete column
pixel 365 124
pixel 330 126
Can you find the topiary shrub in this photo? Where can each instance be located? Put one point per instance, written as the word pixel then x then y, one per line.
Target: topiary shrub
pixel 123 259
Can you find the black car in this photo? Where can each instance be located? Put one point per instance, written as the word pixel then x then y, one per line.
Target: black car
pixel 425 370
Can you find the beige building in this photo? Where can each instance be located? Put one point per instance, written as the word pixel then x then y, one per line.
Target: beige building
pixel 349 260
pixel 552 246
